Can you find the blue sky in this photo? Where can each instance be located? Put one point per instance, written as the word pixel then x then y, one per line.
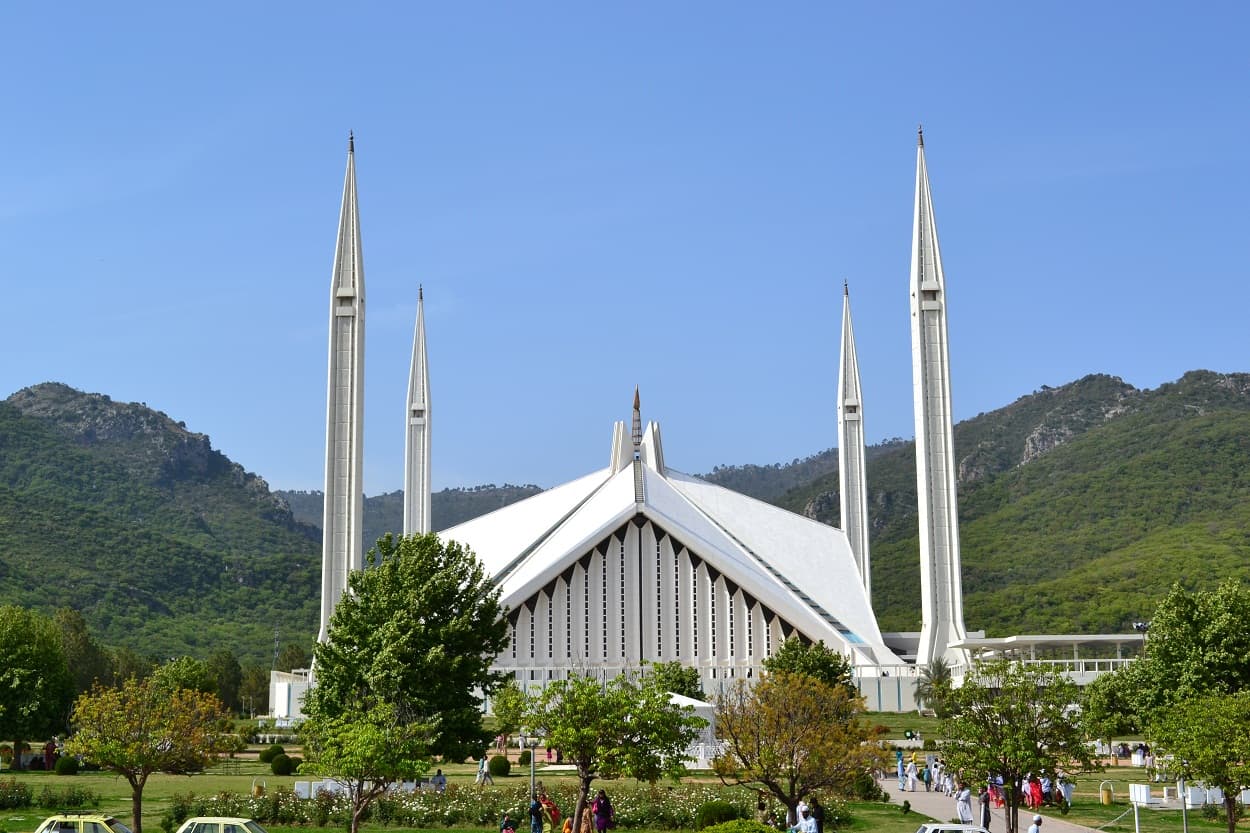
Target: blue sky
pixel 596 196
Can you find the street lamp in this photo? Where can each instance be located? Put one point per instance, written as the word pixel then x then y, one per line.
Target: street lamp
pixel 533 747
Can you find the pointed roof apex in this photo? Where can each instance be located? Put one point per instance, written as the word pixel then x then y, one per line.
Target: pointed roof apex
pixel 846 291
pixel 351 142
pixel 920 135
pixel 420 293
pixel 637 401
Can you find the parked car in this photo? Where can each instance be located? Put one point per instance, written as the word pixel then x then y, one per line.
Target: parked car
pixel 951 828
pixel 81 823
pixel 219 824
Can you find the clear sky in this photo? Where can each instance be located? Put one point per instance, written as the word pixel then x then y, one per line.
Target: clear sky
pixel 602 195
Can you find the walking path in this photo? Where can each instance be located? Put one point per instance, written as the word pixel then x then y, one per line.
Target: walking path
pixel 941 807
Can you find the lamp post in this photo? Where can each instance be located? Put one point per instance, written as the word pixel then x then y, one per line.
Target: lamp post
pixel 533 747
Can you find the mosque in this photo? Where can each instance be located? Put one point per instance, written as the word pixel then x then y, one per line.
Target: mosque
pixel 637 561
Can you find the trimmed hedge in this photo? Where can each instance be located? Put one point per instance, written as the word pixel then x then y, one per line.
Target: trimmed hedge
pixel 499 766
pixel 716 812
pixel 266 756
pixel 67 765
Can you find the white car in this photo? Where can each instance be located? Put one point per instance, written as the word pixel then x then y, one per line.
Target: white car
pixel 220 824
pixel 951 828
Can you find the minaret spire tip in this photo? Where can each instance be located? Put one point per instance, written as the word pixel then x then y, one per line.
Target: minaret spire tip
pixel 846 290
pixel 920 135
pixel 351 142
pixel 420 293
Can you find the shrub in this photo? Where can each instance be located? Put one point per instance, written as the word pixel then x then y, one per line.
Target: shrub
pixel 67 765
pixel 715 812
pixel 524 758
pixel 739 826
pixel 14 794
pixel 865 788
pixel 70 798
pixel 282 764
pixel 499 766
pixel 267 755
pixel 906 808
pixel 929 745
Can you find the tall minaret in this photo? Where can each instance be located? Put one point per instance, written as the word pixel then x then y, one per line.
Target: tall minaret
pixel 941 593
pixel 417 433
pixel 341 548
pixel 852 481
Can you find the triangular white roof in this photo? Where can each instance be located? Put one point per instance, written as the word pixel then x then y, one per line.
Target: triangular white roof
pixel 800 568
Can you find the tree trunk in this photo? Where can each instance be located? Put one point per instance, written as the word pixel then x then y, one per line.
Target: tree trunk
pixel 1012 813
pixel 136 806
pixel 583 791
pixel 1230 808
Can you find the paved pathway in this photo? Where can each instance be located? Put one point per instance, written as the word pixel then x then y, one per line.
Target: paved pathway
pixel 941 807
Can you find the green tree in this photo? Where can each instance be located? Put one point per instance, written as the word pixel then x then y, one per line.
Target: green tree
pixel 815 659
pixel 1010 719
pixel 367 752
pixel 88 662
pixel 254 689
pixel 793 734
pixel 291 656
pixel 624 727
pixel 418 629
pixel 186 672
pixel 1108 705
pixel 224 667
pixel 677 678
pixel 35 683
pixel 934 686
pixel 145 727
pixel 127 664
pixel 1208 739
pixel 509 705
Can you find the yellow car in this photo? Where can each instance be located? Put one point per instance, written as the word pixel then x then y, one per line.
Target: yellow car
pixel 81 823
pixel 219 824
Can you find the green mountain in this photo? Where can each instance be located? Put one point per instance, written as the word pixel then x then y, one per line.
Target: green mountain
pixel 163 544
pixel 1079 506
pixel 385 512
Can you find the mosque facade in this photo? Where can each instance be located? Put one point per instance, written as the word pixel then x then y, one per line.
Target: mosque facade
pixel 638 562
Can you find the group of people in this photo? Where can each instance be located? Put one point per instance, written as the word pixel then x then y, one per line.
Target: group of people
pixel 543 812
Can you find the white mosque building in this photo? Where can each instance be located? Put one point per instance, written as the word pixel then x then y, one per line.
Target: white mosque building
pixel 638 562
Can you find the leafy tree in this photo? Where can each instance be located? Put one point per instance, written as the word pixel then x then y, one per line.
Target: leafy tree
pixel 1108 707
pixel 1209 739
pixel 624 727
pixel 418 629
pixel 145 727
pixel 367 752
pixel 814 659
pixel 1009 719
pixel 792 734
pixel 127 664
pixel 291 656
pixel 509 705
pixel 224 667
pixel 186 672
pixel 934 686
pixel 254 689
pixel 677 678
pixel 35 683
pixel 1197 645
pixel 87 660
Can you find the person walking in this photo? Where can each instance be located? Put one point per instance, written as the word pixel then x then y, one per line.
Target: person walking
pixel 605 816
pixel 911 775
pixel 1036 826
pixel 984 798
pixel 536 815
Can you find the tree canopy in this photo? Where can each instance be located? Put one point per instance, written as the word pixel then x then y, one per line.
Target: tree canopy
pixel 815 659
pixel 1009 719
pixel 145 727
pixel 622 727
pixel 418 629
pixel 792 735
pixel 677 678
pixel 366 752
pixel 36 687
pixel 1209 740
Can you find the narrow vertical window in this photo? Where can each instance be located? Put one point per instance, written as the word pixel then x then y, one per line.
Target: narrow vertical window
pixel 676 606
pixel 568 621
pixel 621 576
pixel 586 613
pixel 659 605
pixel 694 611
pixel 750 633
pixel 731 606
pixel 711 624
pixel 603 576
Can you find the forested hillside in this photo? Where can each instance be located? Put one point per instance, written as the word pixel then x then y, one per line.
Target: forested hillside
pixel 161 542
